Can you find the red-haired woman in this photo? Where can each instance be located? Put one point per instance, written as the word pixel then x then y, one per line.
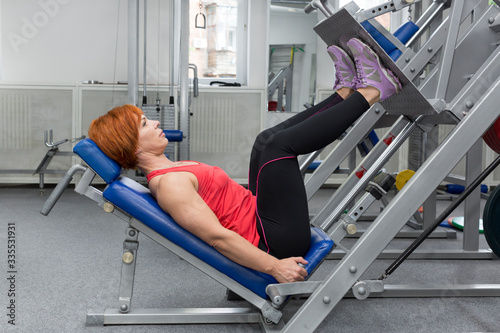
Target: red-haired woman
pixel 266 227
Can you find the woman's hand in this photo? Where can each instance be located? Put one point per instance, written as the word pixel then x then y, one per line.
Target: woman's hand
pixel 288 270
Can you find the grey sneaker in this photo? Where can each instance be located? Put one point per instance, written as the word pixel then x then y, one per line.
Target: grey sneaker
pixel 370 70
pixel 345 71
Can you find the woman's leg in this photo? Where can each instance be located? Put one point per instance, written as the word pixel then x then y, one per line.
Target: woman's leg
pixel 262 138
pixel 282 212
pixel 345 84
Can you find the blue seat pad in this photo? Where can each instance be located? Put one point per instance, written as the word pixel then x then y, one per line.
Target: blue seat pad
pixel 137 201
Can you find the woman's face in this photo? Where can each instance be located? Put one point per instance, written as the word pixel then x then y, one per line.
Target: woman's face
pixel 151 138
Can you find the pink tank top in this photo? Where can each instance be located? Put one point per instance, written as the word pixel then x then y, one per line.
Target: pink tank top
pixel 234 206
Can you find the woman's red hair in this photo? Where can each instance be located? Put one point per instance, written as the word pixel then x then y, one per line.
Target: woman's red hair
pixel 117 134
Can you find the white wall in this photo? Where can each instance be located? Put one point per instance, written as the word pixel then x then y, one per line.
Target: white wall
pixel 291 27
pixel 62 41
pixel 50 46
pixel 0 39
pixel 67 41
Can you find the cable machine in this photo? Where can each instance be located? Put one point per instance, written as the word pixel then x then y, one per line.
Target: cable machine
pixel 178 40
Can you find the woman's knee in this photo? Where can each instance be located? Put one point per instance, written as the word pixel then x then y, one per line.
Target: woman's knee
pixel 263 137
pixel 278 143
pixel 260 140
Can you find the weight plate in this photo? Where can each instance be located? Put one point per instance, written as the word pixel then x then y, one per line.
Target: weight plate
pixel 458 222
pixel 403 177
pixel 492 136
pixel 491 217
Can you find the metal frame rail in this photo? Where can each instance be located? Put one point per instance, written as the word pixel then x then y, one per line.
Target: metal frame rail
pixel 412 65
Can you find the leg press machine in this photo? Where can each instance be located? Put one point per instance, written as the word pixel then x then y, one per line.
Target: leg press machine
pixel 443 84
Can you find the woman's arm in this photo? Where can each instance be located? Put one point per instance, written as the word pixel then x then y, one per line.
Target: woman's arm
pixel 176 193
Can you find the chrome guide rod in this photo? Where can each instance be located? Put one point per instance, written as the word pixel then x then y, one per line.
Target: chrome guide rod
pixel 184 78
pixel 144 98
pixel 373 162
pixel 425 21
pixel 172 53
pixel 133 52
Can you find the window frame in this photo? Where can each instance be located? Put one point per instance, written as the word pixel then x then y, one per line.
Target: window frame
pixel 241 49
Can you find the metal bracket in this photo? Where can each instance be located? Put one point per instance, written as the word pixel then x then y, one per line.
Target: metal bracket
pixel 279 292
pixel 386 7
pixel 362 289
pixel 130 247
pixel 495 22
pixel 271 314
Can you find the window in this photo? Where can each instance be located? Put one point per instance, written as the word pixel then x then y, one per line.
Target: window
pixel 219 50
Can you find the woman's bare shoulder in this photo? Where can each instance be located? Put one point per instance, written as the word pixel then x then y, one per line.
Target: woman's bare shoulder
pixel 173 182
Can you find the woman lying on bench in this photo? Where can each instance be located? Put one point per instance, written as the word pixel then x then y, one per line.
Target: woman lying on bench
pixel 265 228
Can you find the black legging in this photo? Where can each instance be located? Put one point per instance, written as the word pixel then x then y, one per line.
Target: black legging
pixel 275 178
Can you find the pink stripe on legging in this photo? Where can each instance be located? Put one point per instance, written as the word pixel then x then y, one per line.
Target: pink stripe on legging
pixel 257 193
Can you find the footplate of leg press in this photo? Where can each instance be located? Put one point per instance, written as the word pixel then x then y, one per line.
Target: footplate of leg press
pixel 339 28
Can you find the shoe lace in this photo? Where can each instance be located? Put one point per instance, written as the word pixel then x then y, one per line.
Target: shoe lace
pixel 360 73
pixel 338 76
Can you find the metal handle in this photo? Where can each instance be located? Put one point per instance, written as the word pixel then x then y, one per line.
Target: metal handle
pixel 59 189
pixel 49 139
pixel 195 80
pixel 322 5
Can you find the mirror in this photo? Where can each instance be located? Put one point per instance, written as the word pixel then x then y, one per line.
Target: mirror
pixel 292 56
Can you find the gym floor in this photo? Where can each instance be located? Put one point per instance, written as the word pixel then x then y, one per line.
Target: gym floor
pixel 69 262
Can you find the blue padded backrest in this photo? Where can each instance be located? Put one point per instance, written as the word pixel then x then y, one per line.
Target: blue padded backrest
pixel 403 33
pixel 384 43
pixel 104 166
pixel 406 31
pixel 173 135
